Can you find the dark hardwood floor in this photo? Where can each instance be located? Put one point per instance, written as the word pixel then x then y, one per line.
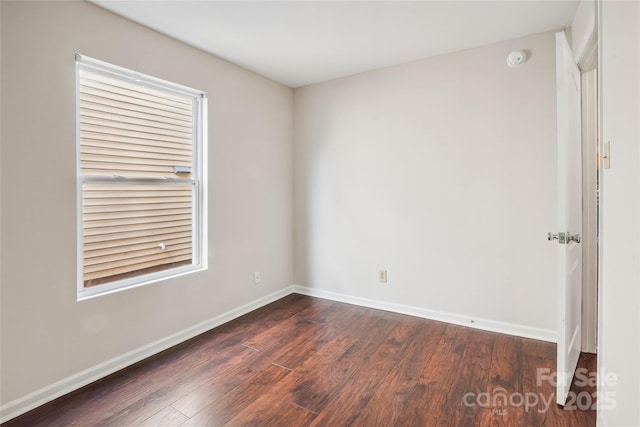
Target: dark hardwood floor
pixel 305 361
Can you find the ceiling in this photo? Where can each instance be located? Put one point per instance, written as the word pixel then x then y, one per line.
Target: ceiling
pixel 298 43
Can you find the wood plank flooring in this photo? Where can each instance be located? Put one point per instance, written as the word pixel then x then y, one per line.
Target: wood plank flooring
pixel 304 361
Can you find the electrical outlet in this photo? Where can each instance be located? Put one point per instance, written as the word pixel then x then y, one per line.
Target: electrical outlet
pixel 382 276
pixel 257 277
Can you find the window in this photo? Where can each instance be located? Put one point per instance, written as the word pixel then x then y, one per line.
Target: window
pixel 141 175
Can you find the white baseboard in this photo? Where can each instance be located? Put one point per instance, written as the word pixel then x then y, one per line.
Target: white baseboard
pixel 456 319
pixel 74 382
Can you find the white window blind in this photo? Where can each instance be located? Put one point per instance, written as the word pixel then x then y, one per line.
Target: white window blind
pixel 129 228
pixel 140 169
pixel 128 129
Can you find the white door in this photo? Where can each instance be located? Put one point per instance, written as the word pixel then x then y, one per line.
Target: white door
pixel 569 216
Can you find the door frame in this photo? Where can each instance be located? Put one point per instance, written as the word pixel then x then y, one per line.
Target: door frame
pixel 587 60
pixel 590 165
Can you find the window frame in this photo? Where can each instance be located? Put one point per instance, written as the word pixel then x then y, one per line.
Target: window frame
pixel 197 180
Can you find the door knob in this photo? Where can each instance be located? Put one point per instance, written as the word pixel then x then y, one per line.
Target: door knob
pixel 564 238
pixel 573 238
pixel 560 237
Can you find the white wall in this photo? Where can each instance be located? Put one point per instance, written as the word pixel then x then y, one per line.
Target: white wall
pixel 443 172
pixel 47 335
pixel 619 296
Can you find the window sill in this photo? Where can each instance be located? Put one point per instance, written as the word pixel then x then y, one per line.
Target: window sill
pixel 85 293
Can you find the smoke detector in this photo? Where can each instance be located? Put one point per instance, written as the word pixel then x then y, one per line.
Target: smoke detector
pixel 516 58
